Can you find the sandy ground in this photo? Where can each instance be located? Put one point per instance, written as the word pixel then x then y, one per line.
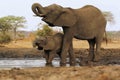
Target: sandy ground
pixel 63 73
pixel 108 68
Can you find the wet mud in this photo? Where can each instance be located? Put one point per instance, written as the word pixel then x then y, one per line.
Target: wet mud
pixel 107 56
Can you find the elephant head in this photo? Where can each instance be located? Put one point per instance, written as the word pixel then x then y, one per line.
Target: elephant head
pixel 46 43
pixel 40 43
pixel 55 15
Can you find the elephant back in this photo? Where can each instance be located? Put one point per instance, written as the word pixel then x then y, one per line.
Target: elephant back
pixel 58 38
pixel 50 44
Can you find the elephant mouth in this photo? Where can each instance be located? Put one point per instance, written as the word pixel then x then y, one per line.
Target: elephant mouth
pixel 41 15
pixel 40 48
pixel 49 23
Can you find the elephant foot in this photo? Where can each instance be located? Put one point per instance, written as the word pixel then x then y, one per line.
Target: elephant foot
pixel 83 63
pixel 49 64
pixel 72 63
pixel 90 57
pixel 96 58
pixel 86 63
pixel 62 64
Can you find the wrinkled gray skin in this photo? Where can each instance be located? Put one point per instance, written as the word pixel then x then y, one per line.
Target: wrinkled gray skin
pixel 51 45
pixel 86 23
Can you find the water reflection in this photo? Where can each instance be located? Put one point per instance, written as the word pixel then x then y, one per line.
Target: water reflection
pixel 29 62
pixel 23 63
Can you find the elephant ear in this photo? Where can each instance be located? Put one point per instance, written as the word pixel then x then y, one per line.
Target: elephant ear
pixel 66 18
pixel 44 41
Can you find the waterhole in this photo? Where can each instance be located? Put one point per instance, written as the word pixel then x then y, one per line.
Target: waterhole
pixel 24 63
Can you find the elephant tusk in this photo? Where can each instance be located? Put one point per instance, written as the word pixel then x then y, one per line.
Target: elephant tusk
pixel 35 15
pixel 42 15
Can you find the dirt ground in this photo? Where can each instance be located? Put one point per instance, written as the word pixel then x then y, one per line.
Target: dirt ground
pixel 108 68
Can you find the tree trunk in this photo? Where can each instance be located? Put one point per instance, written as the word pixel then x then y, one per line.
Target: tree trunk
pixel 15 32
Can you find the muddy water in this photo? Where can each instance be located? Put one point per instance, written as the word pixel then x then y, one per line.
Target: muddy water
pixel 24 63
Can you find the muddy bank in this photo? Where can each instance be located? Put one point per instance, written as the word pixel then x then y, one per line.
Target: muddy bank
pixel 108 56
pixel 34 53
pixel 63 73
pixel 20 53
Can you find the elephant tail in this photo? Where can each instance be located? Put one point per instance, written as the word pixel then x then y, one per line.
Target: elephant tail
pixel 109 17
pixel 105 38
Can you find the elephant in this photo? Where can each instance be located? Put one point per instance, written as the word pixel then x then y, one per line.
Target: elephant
pixel 51 45
pixel 85 23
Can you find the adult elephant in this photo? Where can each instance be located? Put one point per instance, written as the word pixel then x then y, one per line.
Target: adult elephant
pixel 86 23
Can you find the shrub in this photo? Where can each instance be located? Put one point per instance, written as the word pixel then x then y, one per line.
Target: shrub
pixel 5 38
pixel 46 31
pixel 21 36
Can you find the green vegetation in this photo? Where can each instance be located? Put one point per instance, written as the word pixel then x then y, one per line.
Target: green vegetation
pixel 21 36
pixel 4 38
pixel 4 26
pixel 10 24
pixel 15 22
pixel 46 31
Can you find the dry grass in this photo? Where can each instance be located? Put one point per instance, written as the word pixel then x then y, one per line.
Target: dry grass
pixel 63 73
pixel 84 44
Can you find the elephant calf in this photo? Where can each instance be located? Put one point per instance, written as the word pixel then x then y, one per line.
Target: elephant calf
pixel 51 45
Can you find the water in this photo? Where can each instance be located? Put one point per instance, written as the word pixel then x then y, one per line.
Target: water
pixel 8 63
pixel 24 63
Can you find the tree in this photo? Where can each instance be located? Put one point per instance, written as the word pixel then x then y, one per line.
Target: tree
pixel 4 25
pixel 4 28
pixel 109 16
pixel 46 31
pixel 4 38
pixel 16 22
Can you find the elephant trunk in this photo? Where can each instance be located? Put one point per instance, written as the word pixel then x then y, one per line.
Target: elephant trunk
pixel 38 9
pixel 35 44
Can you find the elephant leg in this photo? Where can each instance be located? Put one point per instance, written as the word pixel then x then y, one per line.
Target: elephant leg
pixel 67 39
pixel 72 55
pixel 91 55
pixel 46 55
pixel 64 53
pixel 91 49
pixel 59 54
pixel 51 56
pixel 98 47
